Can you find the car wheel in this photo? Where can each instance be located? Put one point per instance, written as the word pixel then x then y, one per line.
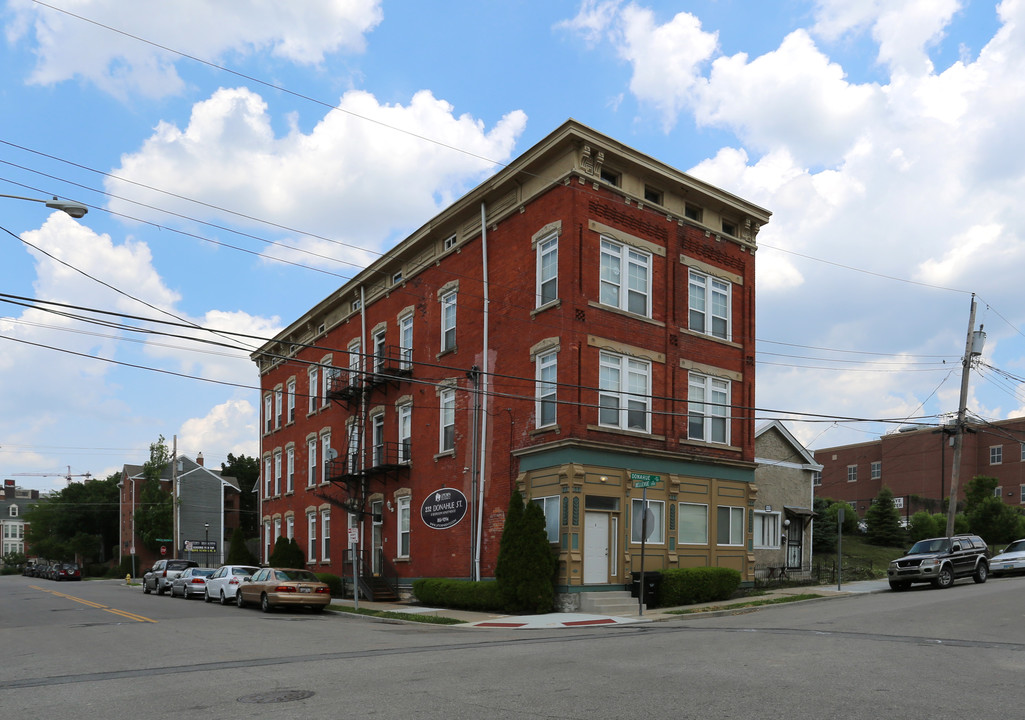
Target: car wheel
pixel 145 588
pixel 206 597
pixel 945 578
pixel 160 590
pixel 238 599
pixel 265 604
pixel 899 586
pixel 981 573
pixel 224 600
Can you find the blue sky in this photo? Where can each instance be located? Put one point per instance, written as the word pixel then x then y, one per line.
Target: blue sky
pixel 883 135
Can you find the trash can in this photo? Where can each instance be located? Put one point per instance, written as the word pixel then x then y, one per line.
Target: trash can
pixel 652 580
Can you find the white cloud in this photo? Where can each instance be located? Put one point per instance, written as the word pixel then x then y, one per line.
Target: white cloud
pixel 229 427
pixel 69 47
pixel 346 167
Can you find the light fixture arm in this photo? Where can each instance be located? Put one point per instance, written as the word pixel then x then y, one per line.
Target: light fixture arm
pixel 74 209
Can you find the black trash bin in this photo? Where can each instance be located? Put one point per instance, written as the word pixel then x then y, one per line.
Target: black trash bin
pixel 652 580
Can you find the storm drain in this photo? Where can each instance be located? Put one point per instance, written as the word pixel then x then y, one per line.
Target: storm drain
pixel 280 696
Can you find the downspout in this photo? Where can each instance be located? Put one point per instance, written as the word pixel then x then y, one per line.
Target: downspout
pixel 356 562
pixel 484 400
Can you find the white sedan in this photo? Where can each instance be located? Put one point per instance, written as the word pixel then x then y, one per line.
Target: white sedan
pixel 223 584
pixel 1011 560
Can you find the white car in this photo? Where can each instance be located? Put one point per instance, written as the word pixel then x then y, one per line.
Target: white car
pixel 1011 560
pixel 223 584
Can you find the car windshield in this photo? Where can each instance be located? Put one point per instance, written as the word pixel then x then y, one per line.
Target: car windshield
pixel 202 572
pixel 930 546
pixel 1016 546
pixel 243 571
pixel 177 565
pixel 297 575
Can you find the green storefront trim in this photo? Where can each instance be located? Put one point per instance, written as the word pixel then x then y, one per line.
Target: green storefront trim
pixel 635 462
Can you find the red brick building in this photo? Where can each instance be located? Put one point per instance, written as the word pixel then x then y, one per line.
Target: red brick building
pixel 578 325
pixel 916 464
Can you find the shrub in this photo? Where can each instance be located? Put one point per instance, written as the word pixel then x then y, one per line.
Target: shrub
pixel 238 552
pixel 686 586
pixel 923 525
pixel 287 554
pixel 526 565
pixel 459 594
pixel 333 581
pixel 882 520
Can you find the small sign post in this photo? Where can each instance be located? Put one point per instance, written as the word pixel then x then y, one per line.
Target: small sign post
pixel 643 481
pixel 353 540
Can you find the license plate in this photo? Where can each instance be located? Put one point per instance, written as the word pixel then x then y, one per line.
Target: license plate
pixel 1008 566
pixel 305 590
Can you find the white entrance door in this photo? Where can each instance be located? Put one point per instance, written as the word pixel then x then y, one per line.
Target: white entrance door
pixel 596 548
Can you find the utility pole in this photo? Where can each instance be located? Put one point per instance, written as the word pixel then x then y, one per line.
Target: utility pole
pixel 966 363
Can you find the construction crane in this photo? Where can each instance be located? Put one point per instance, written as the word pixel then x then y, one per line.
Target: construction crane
pixel 67 476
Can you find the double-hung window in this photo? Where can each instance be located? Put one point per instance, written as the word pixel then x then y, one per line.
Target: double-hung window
pixel 325 446
pixel 650 521
pixel 766 530
pixel 311 468
pixel 311 537
pixel 625 278
pixel 325 382
pixel 290 527
pixel 550 507
pixel 708 409
pixel 624 394
pixel 406 341
pixel 729 528
pixel 709 300
pixel 267 417
pixel 379 350
pixel 291 401
pixel 547 270
pixel 447 439
pixel 313 373
pixel 278 404
pixel 405 420
pixel 547 376
pixel 377 440
pixel 290 470
pixel 352 453
pixel 403 525
pixel 325 535
pixel 268 478
pixel 277 472
pixel 355 362
pixel 448 321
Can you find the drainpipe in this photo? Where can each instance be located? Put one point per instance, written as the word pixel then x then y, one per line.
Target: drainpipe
pixel 484 394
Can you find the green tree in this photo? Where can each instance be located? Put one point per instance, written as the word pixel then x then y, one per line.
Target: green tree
pixel 246 470
pixel 287 554
pixel 988 515
pixel 923 525
pixel 89 509
pixel 238 553
pixel 154 518
pixel 882 522
pixel 823 529
pixel 526 565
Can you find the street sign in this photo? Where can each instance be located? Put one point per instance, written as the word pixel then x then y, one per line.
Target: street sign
pixel 163 549
pixel 353 536
pixel 643 480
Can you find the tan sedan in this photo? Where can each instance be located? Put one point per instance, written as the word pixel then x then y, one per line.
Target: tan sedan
pixel 278 587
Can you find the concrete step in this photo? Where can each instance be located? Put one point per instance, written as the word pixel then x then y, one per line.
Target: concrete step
pixel 616 602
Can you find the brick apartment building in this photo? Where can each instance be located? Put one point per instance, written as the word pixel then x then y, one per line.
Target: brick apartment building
pixel 577 326
pixel 916 463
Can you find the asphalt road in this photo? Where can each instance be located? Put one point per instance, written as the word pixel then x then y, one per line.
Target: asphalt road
pixel 101 650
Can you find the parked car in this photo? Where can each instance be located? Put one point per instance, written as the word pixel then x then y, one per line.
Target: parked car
pixel 191 582
pixel 159 577
pixel 276 587
pixel 1011 560
pixel 67 571
pixel 28 570
pixel 225 581
pixel 940 561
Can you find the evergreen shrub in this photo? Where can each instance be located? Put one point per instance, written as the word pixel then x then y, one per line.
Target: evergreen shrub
pixel 459 594
pixel 686 586
pixel 332 581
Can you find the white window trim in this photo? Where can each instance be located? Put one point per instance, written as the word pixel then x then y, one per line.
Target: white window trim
pixel 325 446
pixel 545 248
pixel 448 301
pixel 852 473
pixel 711 286
pixel 660 525
pixel 546 391
pixel 550 509
pixel 311 461
pixel 710 411
pixel 313 374
pixel 733 511
pixel 623 397
pixel 290 470
pixel 291 402
pixel 996 454
pixel 311 537
pixel 775 530
pixel 624 256
pixel 404 420
pixel 447 417
pixel 402 526
pixel 325 535
pixel 406 341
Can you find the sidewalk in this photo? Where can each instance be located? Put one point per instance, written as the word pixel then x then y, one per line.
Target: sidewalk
pixel 575 620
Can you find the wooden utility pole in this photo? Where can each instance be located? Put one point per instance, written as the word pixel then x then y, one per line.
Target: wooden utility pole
pixel 966 363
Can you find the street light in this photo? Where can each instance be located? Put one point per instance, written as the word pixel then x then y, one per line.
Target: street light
pixel 74 209
pixel 207 548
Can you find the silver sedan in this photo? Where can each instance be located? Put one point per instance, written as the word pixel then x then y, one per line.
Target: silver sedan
pixel 191 582
pixel 1011 560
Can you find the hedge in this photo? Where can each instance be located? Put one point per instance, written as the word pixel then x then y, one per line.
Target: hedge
pixel 459 594
pixel 686 586
pixel 333 581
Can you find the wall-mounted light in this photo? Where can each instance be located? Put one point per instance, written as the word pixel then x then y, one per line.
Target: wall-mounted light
pixel 390 508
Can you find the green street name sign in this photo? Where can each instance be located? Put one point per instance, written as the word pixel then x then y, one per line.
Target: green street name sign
pixel 643 480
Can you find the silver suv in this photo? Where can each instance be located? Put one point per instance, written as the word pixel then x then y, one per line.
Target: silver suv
pixel 162 574
pixel 941 561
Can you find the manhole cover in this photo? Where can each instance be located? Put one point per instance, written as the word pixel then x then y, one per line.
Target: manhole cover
pixel 280 696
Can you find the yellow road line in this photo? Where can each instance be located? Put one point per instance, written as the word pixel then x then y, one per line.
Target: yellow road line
pixel 98 606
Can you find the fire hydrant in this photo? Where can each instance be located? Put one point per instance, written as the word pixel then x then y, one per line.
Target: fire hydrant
pixel 128 579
